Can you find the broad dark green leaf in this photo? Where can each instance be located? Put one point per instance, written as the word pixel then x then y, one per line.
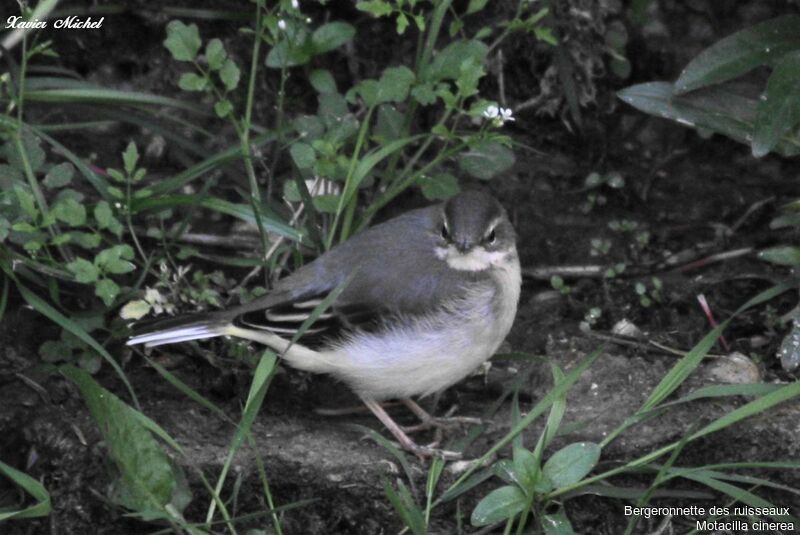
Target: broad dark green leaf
pixel 486 160
pixel 779 108
pixel 571 463
pixel 719 109
pixel 148 481
pixel 499 505
pixel 738 53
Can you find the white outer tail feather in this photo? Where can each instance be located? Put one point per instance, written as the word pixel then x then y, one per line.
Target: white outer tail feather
pixel 296 355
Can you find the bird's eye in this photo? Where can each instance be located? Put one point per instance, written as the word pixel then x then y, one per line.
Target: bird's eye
pixel 491 237
pixel 445 232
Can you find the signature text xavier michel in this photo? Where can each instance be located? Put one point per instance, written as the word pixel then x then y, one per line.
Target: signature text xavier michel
pixel 71 23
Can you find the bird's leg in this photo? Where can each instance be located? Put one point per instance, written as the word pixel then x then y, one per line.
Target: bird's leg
pixel 429 421
pixel 405 441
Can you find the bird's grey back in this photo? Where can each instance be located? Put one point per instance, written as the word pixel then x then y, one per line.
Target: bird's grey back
pixel 393 264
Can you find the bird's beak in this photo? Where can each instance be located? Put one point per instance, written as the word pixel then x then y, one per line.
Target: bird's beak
pixel 463 246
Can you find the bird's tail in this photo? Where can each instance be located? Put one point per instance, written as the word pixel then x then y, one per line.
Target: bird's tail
pixel 179 329
pixel 209 325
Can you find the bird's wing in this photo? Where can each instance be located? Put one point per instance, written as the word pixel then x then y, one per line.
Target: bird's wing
pixel 389 270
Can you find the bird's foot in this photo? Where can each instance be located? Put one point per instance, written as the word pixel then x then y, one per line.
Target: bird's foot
pixel 431 451
pixel 440 423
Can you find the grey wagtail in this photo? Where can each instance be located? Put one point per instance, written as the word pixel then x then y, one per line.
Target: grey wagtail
pixel 431 295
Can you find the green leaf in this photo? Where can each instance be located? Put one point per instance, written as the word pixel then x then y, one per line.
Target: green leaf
pixel 59 175
pixel 439 187
pixel 8 177
pixel 35 489
pixel 135 310
pixel 403 502
pixel 230 74
pixel 148 481
pixel 287 54
pixel 779 109
pixel 714 108
pixel 401 23
pixel 327 204
pixel 470 74
pixel 389 125
pixel 741 52
pixel 26 201
pixel 107 290
pixel 23 226
pixel 486 160
pixel 303 155
pixel 557 524
pixel 447 63
pixel 424 94
pixel 309 127
pixel 378 8
pixel 130 158
pixel 70 212
pixel 395 83
pixel 190 81
pixel 115 259
pixel 31 145
pixel 784 255
pixel 182 41
pixel 215 54
pixel 476 5
pixel 83 270
pixel 85 239
pixel 223 108
pixel 332 107
pixel 330 36
pixel 103 214
pixel 5 226
pixel 571 463
pixel 322 80
pixel 499 505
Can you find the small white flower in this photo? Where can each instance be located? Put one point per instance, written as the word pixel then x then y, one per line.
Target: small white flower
pixel 498 116
pixel 295 4
pixel 505 114
pixel 282 24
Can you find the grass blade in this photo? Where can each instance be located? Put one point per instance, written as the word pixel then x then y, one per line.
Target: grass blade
pixel 32 487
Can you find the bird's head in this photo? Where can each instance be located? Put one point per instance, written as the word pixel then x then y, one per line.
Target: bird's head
pixel 475 232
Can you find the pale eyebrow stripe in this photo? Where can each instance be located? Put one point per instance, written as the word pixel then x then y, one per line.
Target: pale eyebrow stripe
pixel 496 221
